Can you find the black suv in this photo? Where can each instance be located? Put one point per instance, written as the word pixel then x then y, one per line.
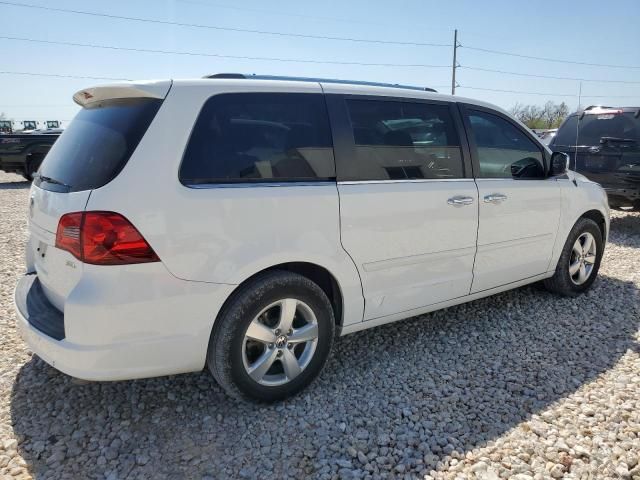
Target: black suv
pixel 604 145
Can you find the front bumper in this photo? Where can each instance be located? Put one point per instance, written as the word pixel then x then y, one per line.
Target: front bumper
pixel 178 347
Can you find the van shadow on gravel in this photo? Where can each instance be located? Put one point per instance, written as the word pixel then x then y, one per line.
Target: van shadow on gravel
pixel 451 380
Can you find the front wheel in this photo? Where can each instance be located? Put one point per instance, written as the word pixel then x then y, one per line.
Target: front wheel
pixel 272 338
pixel 580 260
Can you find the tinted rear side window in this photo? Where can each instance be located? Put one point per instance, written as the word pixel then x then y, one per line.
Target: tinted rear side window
pixel 258 137
pixel 403 140
pixel 97 144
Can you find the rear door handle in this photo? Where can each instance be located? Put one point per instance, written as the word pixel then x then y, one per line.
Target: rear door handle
pixel 459 201
pixel 495 198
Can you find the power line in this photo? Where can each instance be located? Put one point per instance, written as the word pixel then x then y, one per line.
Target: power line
pixel 546 59
pixel 611 96
pixel 546 94
pixel 271 12
pixel 37 74
pixel 547 76
pixel 517 91
pixel 217 55
pixel 216 27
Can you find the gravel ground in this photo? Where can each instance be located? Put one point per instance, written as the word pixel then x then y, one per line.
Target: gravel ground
pixel 521 385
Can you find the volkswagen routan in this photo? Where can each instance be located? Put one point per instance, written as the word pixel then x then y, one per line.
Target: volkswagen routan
pixel 242 223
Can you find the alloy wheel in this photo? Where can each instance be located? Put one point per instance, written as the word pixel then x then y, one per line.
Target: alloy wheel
pixel 280 342
pixel 583 258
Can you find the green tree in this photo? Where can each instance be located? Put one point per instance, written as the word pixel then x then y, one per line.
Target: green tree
pixel 551 115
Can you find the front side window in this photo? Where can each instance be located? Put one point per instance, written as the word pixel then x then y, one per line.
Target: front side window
pixel 403 140
pixel 504 151
pixel 258 137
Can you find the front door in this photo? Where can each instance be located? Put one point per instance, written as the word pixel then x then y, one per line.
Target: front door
pixel 519 206
pixel 408 203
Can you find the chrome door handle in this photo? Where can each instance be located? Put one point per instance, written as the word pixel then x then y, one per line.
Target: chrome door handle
pixel 495 198
pixel 459 201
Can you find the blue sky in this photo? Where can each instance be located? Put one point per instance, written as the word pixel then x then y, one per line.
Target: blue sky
pixel 579 30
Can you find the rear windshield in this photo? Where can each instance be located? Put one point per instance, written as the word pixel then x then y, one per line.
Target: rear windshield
pixel 96 145
pixel 593 127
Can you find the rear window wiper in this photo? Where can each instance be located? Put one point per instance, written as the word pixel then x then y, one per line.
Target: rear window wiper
pixel 44 178
pixel 618 140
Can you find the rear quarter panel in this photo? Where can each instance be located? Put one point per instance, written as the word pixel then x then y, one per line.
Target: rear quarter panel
pixel 225 234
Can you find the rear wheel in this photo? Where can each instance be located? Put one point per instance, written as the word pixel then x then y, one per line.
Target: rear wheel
pixel 272 338
pixel 580 260
pixel 34 160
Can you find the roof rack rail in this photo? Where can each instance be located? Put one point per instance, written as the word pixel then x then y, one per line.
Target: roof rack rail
pixel 310 79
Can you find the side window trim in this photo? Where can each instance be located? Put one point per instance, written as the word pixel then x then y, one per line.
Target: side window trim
pixel 344 144
pixel 471 170
pixel 465 111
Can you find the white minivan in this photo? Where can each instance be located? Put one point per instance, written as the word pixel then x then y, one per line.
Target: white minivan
pixel 243 222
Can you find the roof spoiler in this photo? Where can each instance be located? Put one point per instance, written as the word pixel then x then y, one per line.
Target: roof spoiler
pixel 154 89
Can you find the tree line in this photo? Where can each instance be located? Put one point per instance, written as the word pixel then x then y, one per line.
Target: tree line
pixel 551 115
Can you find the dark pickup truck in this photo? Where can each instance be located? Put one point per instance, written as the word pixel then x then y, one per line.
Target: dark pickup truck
pixel 604 146
pixel 23 153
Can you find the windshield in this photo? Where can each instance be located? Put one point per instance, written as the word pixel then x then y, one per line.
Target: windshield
pixel 97 144
pixel 595 126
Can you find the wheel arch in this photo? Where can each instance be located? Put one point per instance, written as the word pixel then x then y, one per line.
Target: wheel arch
pixel 318 274
pixel 599 218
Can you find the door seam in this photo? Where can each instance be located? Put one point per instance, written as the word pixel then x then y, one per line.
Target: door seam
pixel 475 255
pixel 355 265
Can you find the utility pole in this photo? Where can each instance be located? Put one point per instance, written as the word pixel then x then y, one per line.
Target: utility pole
pixel 455 64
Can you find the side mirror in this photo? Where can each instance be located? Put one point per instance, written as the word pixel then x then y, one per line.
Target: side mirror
pixel 559 164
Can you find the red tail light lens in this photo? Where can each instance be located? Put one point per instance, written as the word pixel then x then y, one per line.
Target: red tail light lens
pixel 68 234
pixel 103 238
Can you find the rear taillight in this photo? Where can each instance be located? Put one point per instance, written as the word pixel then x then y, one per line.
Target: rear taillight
pixel 103 238
pixel 68 234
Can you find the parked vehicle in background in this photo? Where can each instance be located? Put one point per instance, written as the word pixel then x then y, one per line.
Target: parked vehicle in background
pixel 6 126
pixel 52 124
pixel 547 136
pixel 23 152
pixel 29 126
pixel 242 222
pixel 604 145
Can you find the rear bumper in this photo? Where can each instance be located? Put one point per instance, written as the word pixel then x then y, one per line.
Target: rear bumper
pixel 623 196
pixel 131 346
pixel 36 308
pixel 12 164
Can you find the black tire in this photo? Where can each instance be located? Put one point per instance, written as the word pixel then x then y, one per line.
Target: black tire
pixel 227 344
pixel 561 282
pixel 34 160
